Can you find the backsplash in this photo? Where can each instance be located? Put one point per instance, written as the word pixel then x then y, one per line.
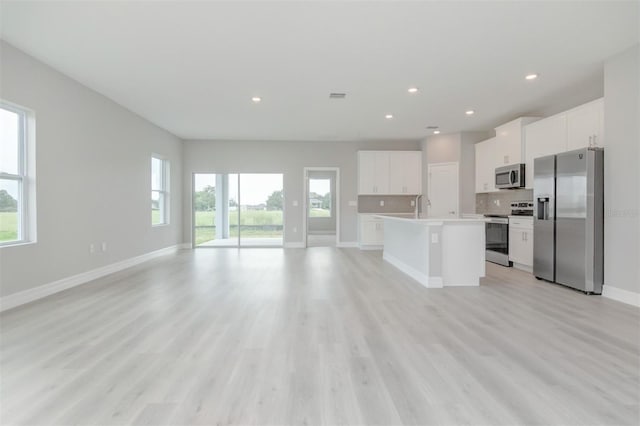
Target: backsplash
pixel 392 203
pixel 500 202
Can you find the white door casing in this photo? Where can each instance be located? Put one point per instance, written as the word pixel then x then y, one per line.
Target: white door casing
pixel 442 190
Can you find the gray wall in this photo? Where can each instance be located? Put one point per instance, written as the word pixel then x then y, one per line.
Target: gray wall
pixel 324 225
pixel 450 148
pixel 289 158
pixel 468 168
pixel 500 202
pixel 93 177
pixel 621 177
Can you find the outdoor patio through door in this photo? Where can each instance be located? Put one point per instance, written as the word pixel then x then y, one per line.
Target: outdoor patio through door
pixel 232 210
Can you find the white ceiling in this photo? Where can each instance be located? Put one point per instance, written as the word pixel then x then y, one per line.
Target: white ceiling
pixel 192 67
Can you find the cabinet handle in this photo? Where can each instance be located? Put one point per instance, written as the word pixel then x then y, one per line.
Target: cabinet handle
pixel 590 141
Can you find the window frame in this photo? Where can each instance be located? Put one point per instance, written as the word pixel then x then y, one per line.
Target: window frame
pixel 164 205
pixel 22 176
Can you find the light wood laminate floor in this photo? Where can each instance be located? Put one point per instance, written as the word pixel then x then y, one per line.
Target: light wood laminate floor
pixel 317 336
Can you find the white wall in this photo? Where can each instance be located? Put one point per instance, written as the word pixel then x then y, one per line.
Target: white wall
pixel 289 158
pixel 621 176
pixel 93 177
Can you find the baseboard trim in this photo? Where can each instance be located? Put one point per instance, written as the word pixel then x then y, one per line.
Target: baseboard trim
pixel 429 282
pixel 297 245
pixel 370 247
pixel 32 294
pixel 620 295
pixel 522 267
pixel 347 244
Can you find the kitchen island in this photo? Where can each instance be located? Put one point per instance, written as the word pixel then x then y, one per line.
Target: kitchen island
pixel 436 252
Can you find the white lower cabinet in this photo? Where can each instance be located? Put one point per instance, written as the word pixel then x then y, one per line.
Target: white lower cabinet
pixel 371 232
pixel 521 242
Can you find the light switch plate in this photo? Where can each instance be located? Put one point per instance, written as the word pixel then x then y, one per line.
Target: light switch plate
pixel 294 203
pixel 381 203
pixel 434 238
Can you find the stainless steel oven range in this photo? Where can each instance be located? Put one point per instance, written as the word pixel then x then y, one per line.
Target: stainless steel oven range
pixel 497 239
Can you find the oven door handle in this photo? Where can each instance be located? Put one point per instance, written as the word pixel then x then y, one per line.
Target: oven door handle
pixel 512 177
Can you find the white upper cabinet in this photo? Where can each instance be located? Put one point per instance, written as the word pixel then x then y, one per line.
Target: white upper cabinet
pixel 373 172
pixel 544 137
pixel 485 165
pixel 585 125
pixel 506 148
pixel 405 172
pixel 510 141
pixel 576 128
pixel 389 172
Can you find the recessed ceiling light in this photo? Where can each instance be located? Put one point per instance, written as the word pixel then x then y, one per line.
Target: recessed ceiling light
pixel 412 90
pixel 470 112
pixel 436 132
pixel 388 116
pixel 531 76
pixel 256 99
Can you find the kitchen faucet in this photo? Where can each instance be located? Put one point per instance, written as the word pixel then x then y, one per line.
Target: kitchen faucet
pixel 417 210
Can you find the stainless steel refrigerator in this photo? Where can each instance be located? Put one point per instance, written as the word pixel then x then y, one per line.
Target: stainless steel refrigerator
pixel 568 219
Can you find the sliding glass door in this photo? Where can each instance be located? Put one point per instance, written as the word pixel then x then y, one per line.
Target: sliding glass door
pixel 231 210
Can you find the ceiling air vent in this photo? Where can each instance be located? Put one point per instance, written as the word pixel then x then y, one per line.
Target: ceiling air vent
pixel 337 95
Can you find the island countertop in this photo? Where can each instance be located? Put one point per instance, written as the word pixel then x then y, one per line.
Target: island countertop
pixel 428 221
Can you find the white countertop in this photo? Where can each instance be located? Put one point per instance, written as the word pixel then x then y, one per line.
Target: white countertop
pixel 428 221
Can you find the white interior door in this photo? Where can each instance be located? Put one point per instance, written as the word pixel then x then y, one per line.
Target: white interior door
pixel 442 191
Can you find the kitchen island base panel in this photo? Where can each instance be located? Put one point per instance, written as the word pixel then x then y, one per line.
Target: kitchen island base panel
pixel 436 253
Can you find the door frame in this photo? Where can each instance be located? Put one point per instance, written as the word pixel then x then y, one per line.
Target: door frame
pixel 450 163
pixel 305 200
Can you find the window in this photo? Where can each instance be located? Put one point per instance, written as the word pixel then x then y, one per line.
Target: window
pixel 159 191
pixel 14 178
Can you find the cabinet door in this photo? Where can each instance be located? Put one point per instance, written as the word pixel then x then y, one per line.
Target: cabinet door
pixel 371 231
pixel 516 245
pixel 366 172
pixel 544 137
pixel 381 170
pixel 584 125
pixel 521 245
pixel 379 232
pixel 485 166
pixel 508 144
pixel 527 248
pixel 405 172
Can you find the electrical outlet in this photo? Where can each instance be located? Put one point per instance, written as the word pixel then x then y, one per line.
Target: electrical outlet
pixel 294 203
pixel 295 229
pixel 413 203
pixel 434 238
pixel 104 246
pixel 381 203
pixel 353 203
pixel 92 248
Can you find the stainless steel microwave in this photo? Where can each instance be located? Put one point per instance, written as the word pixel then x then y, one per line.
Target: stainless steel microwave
pixel 509 177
